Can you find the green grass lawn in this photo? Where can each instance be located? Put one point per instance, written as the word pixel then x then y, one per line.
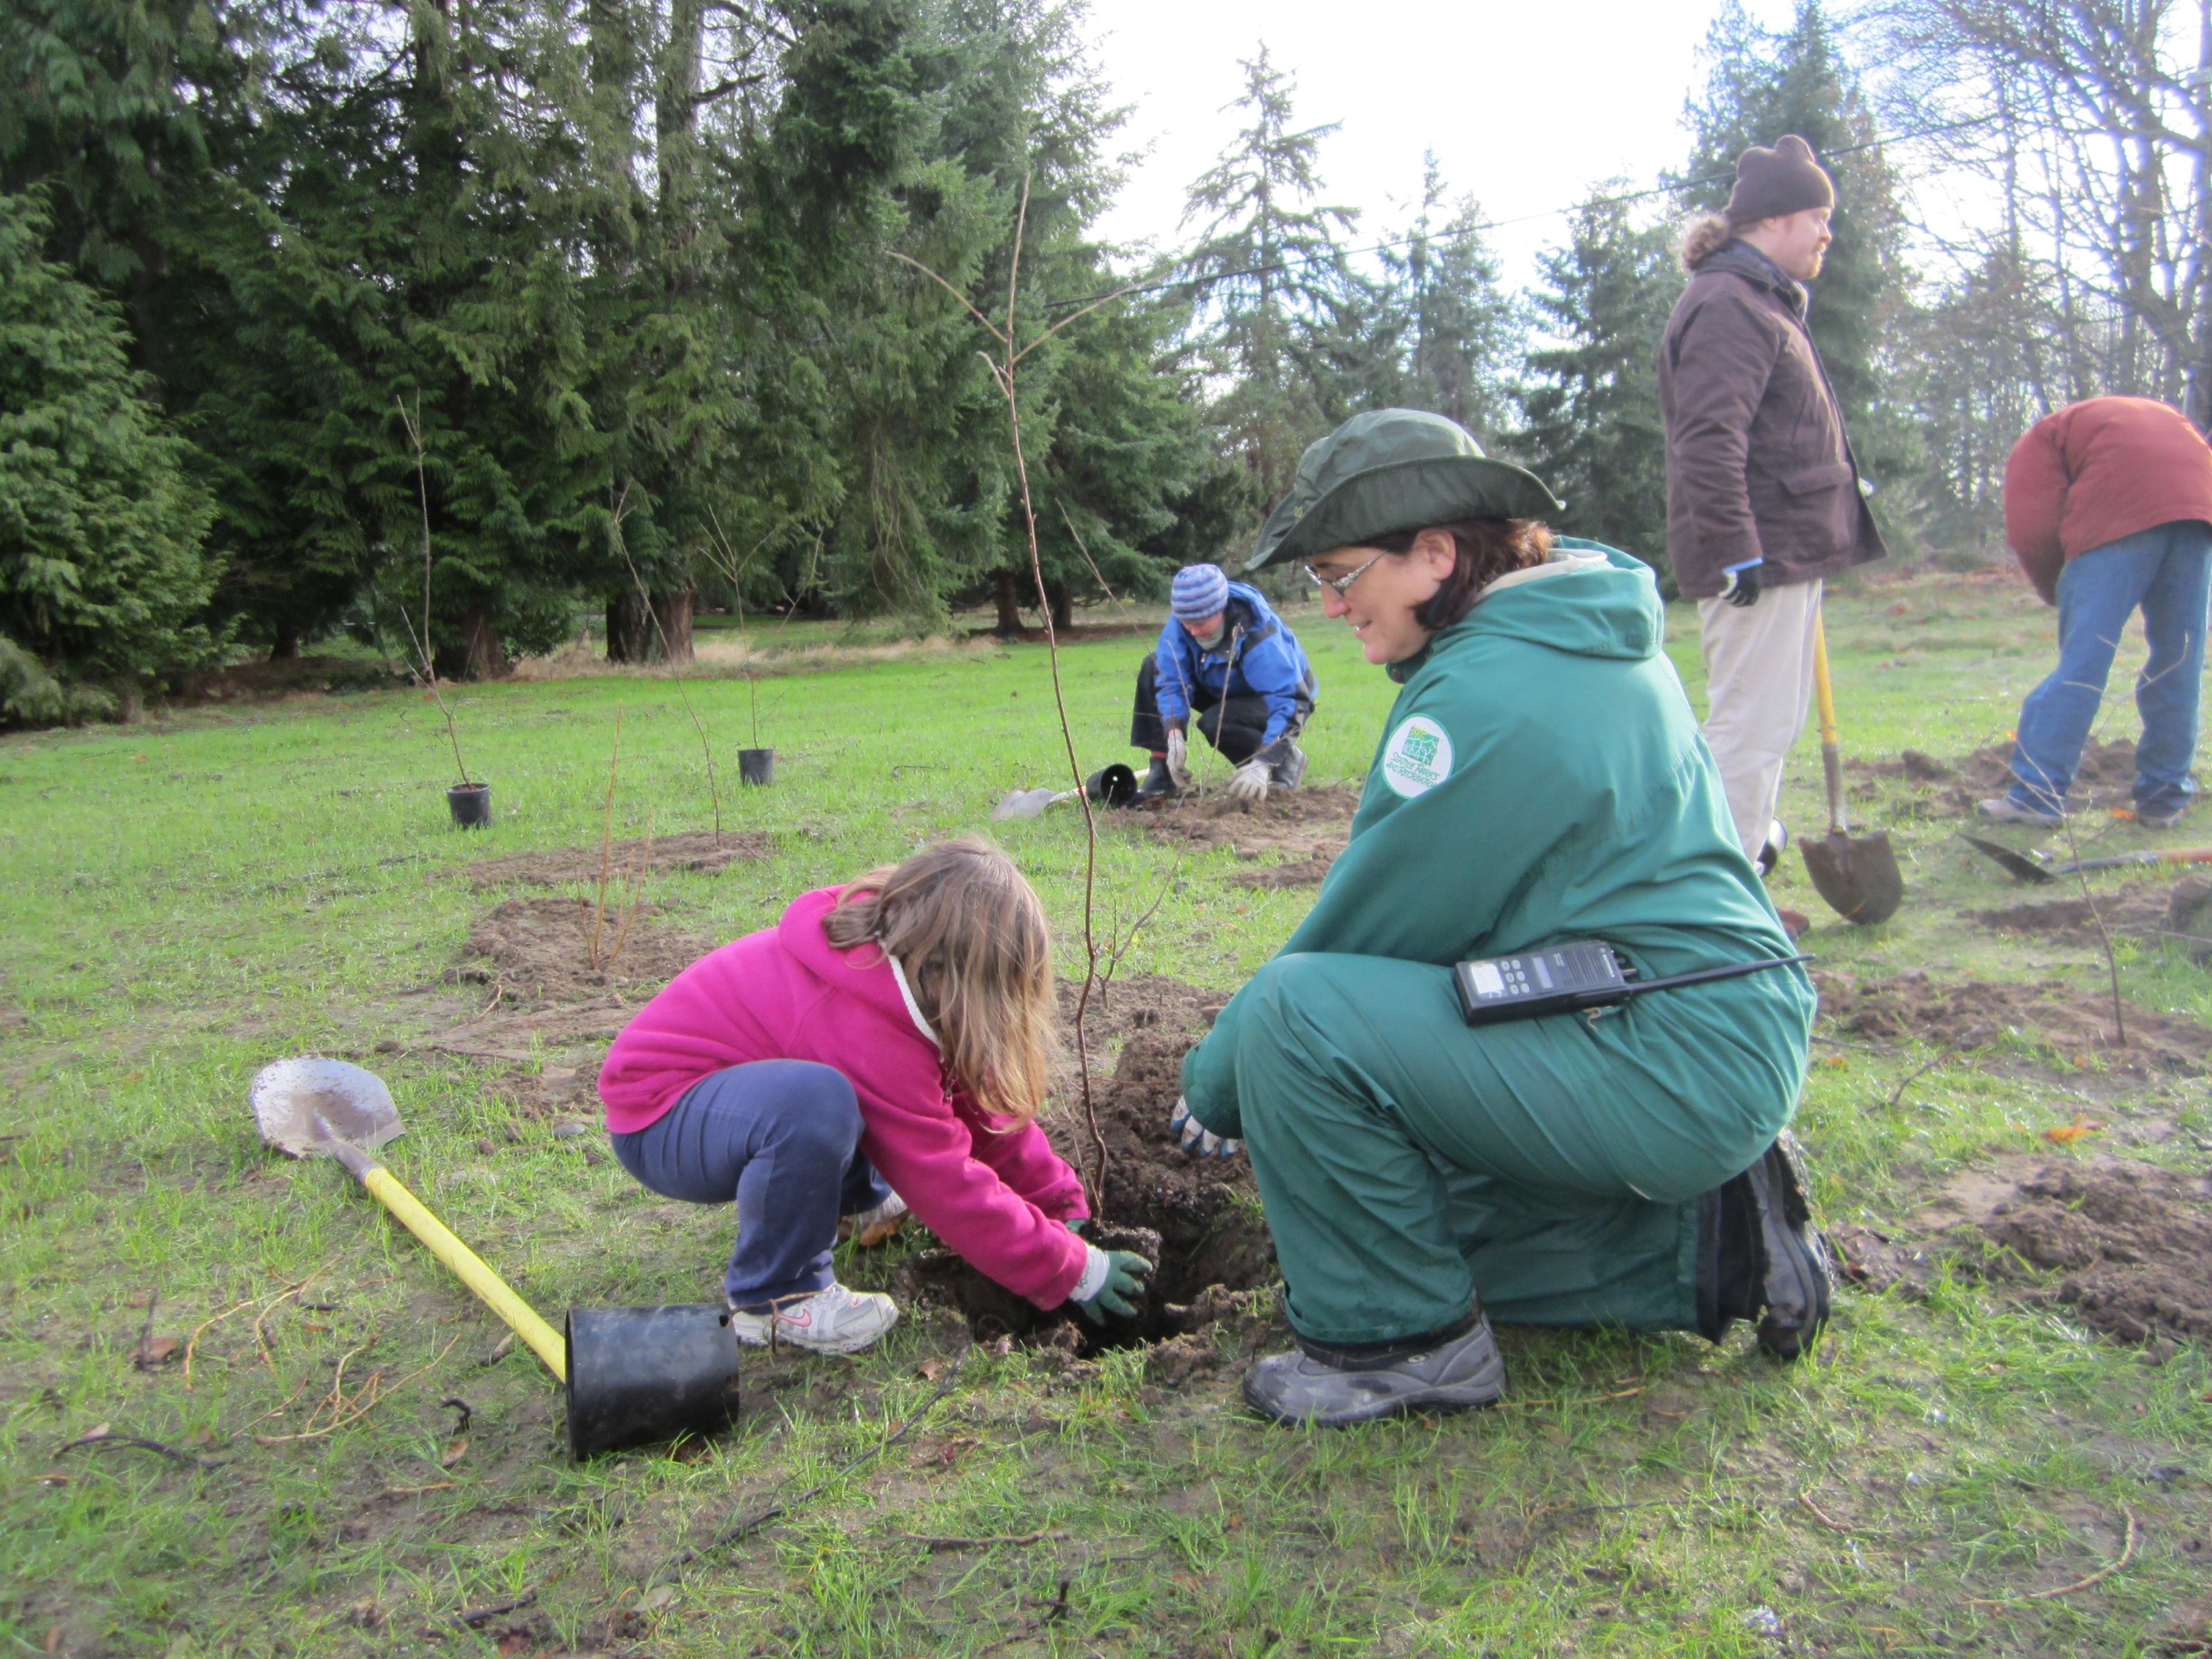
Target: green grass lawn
pixel 190 898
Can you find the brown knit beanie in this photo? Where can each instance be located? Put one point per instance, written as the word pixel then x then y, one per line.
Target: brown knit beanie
pixel 1770 183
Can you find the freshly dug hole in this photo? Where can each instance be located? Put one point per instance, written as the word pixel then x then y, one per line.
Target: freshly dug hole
pixel 1197 1220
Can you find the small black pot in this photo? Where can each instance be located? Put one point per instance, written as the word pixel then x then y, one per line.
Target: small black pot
pixel 638 1375
pixel 470 804
pixel 757 765
pixel 1115 785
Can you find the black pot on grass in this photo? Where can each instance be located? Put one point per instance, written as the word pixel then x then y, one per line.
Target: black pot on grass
pixel 470 805
pixel 757 765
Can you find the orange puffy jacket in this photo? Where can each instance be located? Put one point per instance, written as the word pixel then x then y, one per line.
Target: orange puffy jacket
pixel 2096 470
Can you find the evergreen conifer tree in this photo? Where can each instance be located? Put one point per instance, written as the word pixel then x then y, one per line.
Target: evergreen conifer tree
pixel 1277 300
pixel 1450 331
pixel 101 572
pixel 1593 431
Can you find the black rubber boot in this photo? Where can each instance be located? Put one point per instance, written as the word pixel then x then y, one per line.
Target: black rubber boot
pixel 1157 785
pixel 1759 1254
pixel 1463 1372
pixel 1799 1275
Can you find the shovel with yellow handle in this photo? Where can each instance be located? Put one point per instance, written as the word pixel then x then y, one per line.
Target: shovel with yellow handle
pixel 632 1375
pixel 1857 875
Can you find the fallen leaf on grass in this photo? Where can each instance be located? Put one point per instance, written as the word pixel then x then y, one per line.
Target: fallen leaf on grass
pixel 456 1449
pixel 931 1370
pixel 2065 1134
pixel 654 1600
pixel 515 1641
pixel 155 1351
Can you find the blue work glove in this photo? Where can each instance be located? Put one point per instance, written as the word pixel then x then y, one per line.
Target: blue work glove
pixel 1741 584
pixel 1126 1273
pixel 1196 1138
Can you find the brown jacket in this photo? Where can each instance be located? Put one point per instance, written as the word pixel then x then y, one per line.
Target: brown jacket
pixel 2095 472
pixel 1758 464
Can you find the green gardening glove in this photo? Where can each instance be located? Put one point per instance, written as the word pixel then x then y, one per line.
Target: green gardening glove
pixel 1076 1223
pixel 1126 1273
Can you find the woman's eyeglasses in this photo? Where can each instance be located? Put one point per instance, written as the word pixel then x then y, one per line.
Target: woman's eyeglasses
pixel 1340 583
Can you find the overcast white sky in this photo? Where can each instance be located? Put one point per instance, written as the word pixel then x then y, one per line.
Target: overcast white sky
pixel 1528 104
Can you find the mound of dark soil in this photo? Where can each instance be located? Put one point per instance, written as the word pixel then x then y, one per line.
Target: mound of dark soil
pixel 1293 821
pixel 2178 913
pixel 2133 1242
pixel 1973 1013
pixel 1197 1218
pixel 620 861
pixel 2105 778
pixel 541 951
pixel 1308 871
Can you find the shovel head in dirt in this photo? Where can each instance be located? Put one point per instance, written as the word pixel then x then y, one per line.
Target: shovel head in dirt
pixel 1857 875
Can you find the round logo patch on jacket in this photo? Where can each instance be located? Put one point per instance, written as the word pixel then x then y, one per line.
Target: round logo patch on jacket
pixel 1417 758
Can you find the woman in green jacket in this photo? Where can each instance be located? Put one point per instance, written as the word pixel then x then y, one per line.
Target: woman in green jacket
pixel 1541 779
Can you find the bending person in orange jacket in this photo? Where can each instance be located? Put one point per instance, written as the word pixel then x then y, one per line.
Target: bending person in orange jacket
pixel 2108 507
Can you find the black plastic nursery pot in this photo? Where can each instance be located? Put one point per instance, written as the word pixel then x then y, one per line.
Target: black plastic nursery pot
pixel 757 765
pixel 641 1375
pixel 470 805
pixel 1115 785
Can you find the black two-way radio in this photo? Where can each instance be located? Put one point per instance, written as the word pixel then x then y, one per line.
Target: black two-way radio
pixel 1563 979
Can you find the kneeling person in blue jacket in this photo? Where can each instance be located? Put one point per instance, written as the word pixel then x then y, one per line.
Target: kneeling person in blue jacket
pixel 1225 656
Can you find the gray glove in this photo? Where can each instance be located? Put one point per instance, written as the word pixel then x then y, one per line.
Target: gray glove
pixel 1196 1138
pixel 1179 759
pixel 1249 781
pixel 1125 1274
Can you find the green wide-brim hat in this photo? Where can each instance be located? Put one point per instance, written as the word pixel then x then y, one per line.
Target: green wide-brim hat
pixel 1391 470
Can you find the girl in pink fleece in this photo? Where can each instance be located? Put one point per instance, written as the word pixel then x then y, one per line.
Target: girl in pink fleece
pixel 892 1030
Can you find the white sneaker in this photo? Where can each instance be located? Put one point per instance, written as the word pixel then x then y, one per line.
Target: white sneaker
pixel 873 1227
pixel 831 1321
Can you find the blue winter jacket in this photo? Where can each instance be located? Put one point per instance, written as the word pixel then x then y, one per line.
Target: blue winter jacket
pixel 1261 658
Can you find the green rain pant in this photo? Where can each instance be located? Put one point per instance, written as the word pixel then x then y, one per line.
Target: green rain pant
pixel 1406 1159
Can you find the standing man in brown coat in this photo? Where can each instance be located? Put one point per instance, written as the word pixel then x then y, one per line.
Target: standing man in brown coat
pixel 1762 492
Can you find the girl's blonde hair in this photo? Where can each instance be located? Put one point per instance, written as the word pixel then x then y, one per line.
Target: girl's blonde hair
pixel 970 935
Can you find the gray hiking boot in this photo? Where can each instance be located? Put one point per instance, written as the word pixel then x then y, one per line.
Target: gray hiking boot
pixel 1289 770
pixel 1463 1373
pixel 1799 1278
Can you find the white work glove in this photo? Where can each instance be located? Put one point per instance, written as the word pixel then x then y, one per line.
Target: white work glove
pixel 1248 782
pixel 1196 1138
pixel 1179 759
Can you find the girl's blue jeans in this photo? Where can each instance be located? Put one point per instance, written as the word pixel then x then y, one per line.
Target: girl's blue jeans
pixel 782 1140
pixel 2163 571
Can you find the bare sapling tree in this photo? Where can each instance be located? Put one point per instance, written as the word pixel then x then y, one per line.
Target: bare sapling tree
pixel 424 667
pixel 667 652
pixel 1004 371
pixel 735 569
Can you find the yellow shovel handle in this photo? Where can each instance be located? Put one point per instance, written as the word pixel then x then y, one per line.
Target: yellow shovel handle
pixel 1820 685
pixel 493 1291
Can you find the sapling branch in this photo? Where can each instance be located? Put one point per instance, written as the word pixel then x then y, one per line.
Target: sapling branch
pixel 428 669
pixel 1003 372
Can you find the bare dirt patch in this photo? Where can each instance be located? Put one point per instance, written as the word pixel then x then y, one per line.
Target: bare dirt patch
pixel 1298 832
pixel 2177 912
pixel 548 952
pixel 2105 777
pixel 701 850
pixel 2125 1248
pixel 1975 1013
pixel 1198 1219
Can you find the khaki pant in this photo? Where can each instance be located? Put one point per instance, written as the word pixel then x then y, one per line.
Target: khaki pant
pixel 1759 674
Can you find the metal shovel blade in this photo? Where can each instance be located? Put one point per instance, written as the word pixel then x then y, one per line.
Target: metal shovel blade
pixel 309 1105
pixel 2015 865
pixel 1857 875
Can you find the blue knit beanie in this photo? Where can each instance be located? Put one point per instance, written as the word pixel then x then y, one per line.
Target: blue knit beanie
pixel 1200 591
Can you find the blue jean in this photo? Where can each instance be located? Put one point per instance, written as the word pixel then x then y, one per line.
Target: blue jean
pixel 2163 570
pixel 779 1137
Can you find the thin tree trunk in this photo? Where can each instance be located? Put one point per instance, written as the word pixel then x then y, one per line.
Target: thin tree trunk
pixel 1010 604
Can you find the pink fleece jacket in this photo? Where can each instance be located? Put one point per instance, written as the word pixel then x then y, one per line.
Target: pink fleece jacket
pixel 999 1197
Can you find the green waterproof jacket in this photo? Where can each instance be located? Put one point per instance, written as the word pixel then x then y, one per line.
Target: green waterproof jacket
pixel 1542 778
